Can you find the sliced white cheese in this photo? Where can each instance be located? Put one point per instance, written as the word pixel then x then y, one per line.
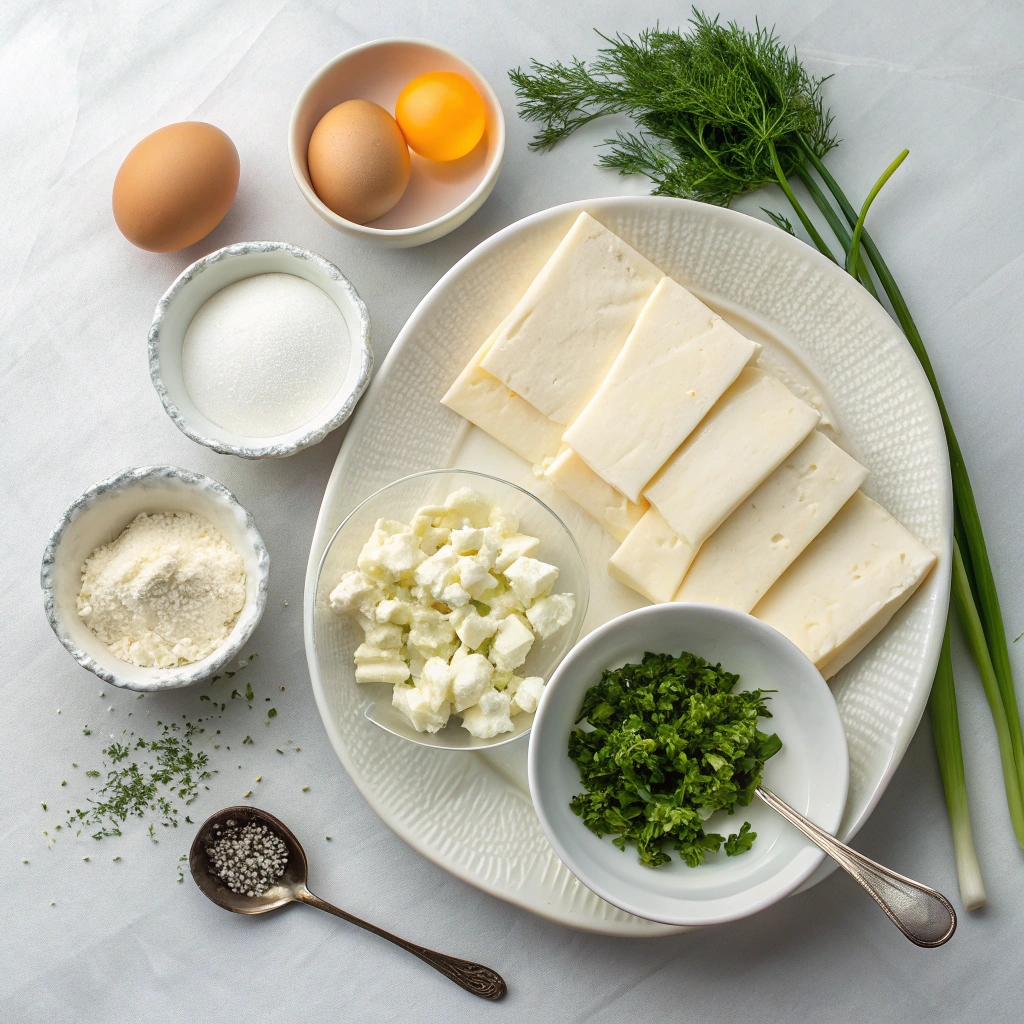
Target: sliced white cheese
pixel 748 433
pixel 764 536
pixel 612 509
pixel 508 418
pixel 855 575
pixel 558 343
pixel 652 559
pixel 676 363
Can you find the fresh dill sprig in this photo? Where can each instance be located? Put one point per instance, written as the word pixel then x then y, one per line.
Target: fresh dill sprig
pixel 713 108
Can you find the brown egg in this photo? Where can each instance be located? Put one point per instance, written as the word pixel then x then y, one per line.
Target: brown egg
pixel 175 186
pixel 358 161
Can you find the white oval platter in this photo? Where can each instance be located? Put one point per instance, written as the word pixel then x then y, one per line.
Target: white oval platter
pixel 823 335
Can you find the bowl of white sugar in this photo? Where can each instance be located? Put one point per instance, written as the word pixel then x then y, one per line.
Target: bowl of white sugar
pixel 155 578
pixel 260 349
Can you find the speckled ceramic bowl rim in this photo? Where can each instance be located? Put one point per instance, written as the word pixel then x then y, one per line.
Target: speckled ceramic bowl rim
pixel 250 615
pixel 327 214
pixel 272 448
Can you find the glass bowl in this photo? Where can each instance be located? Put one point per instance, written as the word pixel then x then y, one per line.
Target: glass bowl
pixel 336 635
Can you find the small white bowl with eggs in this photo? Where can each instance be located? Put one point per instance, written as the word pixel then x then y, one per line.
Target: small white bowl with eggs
pixel 440 196
pixel 260 349
pixel 98 517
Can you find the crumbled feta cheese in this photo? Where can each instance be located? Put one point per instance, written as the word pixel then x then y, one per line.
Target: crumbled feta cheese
pixel 378 665
pixel 512 643
pixel 435 573
pixel 527 695
pixel 506 523
pixel 391 552
pixel 490 716
pixel 431 512
pixel 472 628
pixel 516 546
pixel 433 538
pixel 530 578
pixel 400 554
pixel 417 705
pixel 436 677
pixel 394 610
pixel 489 547
pixel 473 506
pixel 503 603
pixel 474 577
pixel 387 635
pixel 356 592
pixel 431 596
pixel 430 632
pixel 549 614
pixel 467 541
pixel 471 679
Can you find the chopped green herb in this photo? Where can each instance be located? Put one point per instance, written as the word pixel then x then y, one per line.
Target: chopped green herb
pixel 740 842
pixel 248 739
pixel 248 691
pixel 272 713
pixel 669 742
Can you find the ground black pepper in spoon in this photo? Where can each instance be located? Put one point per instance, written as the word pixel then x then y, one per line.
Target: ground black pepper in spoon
pixel 290 887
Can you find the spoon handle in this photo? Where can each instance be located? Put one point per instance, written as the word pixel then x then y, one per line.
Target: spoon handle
pixel 925 916
pixel 475 978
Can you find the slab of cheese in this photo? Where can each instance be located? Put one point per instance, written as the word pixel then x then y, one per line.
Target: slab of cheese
pixel 612 509
pixel 748 433
pixel 676 363
pixel 855 575
pixel 739 562
pixel 652 559
pixel 508 418
pixel 560 340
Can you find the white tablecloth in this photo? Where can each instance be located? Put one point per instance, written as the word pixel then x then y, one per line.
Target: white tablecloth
pixel 110 941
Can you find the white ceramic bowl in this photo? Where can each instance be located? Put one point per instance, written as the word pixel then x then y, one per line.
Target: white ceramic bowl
pixel 209 275
pixel 440 196
pixel 811 772
pixel 336 636
pixel 98 517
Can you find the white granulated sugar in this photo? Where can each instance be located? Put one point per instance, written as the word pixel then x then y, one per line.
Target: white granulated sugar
pixel 265 355
pixel 165 593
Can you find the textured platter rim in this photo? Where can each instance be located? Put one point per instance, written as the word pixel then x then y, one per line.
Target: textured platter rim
pixel 937 586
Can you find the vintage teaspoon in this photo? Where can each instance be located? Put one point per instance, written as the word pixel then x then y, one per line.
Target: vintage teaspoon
pixel 925 916
pixel 291 888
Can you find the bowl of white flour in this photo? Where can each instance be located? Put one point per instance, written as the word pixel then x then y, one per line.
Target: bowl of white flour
pixel 155 578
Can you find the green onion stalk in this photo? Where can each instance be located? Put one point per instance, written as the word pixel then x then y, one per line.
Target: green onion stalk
pixel 719 111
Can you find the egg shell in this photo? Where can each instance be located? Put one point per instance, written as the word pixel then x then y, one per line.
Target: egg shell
pixel 175 186
pixel 358 161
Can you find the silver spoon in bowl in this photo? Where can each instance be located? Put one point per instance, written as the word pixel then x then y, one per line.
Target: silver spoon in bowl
pixel 290 887
pixel 925 916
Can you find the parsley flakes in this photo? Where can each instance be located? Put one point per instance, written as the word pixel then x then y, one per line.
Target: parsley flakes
pixel 669 742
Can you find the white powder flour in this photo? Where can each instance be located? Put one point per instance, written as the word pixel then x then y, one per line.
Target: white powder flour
pixel 165 593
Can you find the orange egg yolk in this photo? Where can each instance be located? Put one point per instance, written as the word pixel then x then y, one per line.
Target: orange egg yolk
pixel 441 115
